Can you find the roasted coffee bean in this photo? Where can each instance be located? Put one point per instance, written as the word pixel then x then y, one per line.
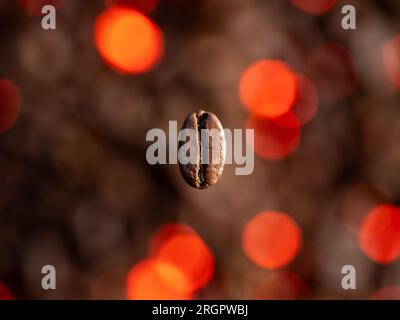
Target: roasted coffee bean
pixel 209 147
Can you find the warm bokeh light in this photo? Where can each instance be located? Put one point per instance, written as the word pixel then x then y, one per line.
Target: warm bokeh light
pixel 391 60
pixel 185 249
pixel 379 236
pixel 146 6
pixel 5 293
pixel 272 239
pixel 268 88
pixel 357 202
pixel 333 71
pixel 306 103
pixel 10 104
pixel 165 233
pixel 34 7
pixel 128 40
pixel 316 7
pixel 387 293
pixel 158 280
pixel 275 139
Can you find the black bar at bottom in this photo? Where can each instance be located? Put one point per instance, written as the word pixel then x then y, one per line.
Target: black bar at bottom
pixel 230 309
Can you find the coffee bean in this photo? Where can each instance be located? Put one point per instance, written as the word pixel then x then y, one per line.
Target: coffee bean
pixel 209 146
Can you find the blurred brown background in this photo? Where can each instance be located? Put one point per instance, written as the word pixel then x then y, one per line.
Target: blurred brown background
pixel 76 190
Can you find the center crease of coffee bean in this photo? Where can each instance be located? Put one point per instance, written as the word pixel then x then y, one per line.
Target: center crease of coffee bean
pixel 201 117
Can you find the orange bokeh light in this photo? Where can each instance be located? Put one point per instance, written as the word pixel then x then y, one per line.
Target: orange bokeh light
pixel 5 293
pixel 306 103
pixel 387 293
pixel 146 6
pixel 379 236
pixel 271 239
pixel 268 88
pixel 391 60
pixel 333 71
pixel 275 139
pixel 316 7
pixel 164 233
pixel 358 201
pixel 185 249
pixel 34 7
pixel 10 104
pixel 128 40
pixel 157 280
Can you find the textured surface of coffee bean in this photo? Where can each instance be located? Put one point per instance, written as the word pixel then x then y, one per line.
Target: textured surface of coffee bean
pixel 203 174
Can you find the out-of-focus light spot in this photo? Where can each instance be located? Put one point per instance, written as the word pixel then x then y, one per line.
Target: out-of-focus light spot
pixel 387 293
pixel 333 71
pixel 145 6
pixel 275 139
pixel 187 251
pixel 128 40
pixel 306 104
pixel 158 280
pixel 316 7
pixel 10 104
pixel 391 60
pixel 379 236
pixel 358 201
pixel 5 293
pixel 268 88
pixel 165 233
pixel 271 239
pixel 34 7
